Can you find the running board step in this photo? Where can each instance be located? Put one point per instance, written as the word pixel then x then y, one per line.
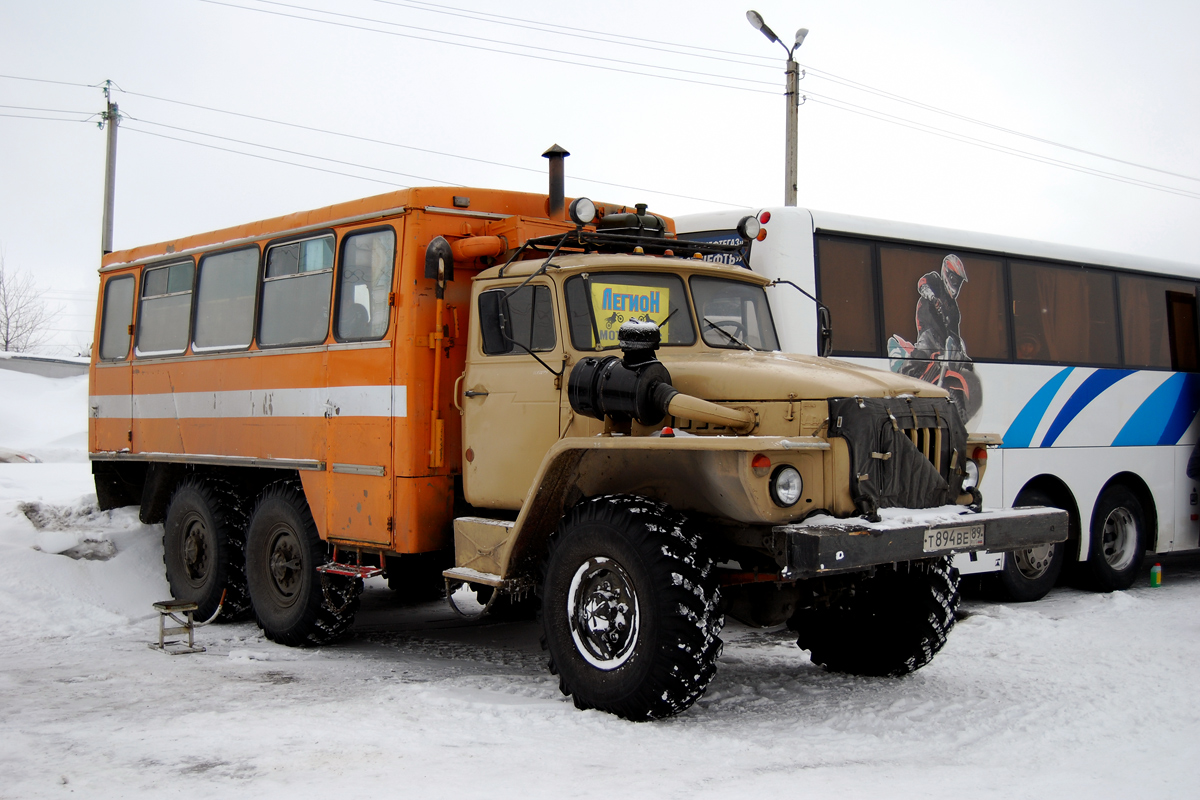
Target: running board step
pixel 468 575
pixel 361 572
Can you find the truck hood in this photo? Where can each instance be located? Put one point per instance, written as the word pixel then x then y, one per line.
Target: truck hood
pixel 760 376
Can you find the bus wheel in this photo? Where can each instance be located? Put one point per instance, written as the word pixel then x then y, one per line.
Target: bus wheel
pixel 629 609
pixel 293 603
pixel 1118 541
pixel 202 548
pixel 1029 574
pixel 891 623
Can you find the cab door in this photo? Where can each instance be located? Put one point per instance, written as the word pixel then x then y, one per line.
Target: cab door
pixel 110 405
pixel 510 394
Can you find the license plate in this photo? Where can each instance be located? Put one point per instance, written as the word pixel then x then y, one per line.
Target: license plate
pixel 966 536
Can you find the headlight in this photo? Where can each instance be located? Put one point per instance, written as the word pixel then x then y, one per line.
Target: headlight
pixel 786 486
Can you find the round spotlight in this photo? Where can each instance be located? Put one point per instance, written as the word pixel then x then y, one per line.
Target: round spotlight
pixel 582 211
pixel 748 228
pixel 786 486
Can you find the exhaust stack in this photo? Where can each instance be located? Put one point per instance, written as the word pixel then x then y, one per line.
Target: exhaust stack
pixel 557 181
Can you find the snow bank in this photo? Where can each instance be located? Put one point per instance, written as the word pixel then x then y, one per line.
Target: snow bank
pixel 44 416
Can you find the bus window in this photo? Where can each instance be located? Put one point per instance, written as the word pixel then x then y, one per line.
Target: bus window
pixel 919 290
pixel 118 315
pixel 225 300
pixel 295 293
pixel 1147 318
pixel 366 281
pixel 166 309
pixel 1184 345
pixel 844 275
pixel 1063 314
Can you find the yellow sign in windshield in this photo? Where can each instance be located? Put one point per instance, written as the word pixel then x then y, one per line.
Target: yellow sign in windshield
pixel 617 303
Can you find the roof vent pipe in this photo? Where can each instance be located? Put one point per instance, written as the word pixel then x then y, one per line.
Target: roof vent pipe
pixel 557 181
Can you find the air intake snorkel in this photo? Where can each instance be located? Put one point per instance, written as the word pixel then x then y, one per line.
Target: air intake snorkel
pixel 638 386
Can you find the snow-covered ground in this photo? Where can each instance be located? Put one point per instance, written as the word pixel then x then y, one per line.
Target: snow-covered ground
pixel 1081 695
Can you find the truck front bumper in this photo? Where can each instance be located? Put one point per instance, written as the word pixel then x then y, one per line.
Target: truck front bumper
pixel 824 545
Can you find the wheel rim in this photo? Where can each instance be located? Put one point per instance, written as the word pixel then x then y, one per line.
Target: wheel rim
pixel 196 553
pixel 1034 562
pixel 602 607
pixel 1118 541
pixel 285 566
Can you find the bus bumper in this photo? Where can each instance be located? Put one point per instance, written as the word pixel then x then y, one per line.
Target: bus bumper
pixel 827 546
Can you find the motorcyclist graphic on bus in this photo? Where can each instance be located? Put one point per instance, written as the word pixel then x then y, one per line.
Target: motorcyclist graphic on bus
pixel 939 354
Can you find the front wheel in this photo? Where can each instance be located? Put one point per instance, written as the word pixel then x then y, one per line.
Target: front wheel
pixel 1028 575
pixel 293 603
pixel 1118 541
pixel 629 609
pixel 890 623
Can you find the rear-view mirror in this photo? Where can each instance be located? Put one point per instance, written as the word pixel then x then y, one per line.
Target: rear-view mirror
pixel 494 323
pixel 824 332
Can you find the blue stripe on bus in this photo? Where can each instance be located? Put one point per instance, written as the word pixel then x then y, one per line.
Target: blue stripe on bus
pixel 1020 432
pixel 1165 415
pixel 1088 391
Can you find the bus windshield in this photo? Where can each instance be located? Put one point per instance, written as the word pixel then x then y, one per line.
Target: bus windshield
pixel 732 314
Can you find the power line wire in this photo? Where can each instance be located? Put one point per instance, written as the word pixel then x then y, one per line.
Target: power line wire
pixel 289 152
pixel 48 110
pixel 592 35
pixel 821 74
pixel 47 119
pixel 46 80
pixel 264 158
pixel 392 172
pixel 510 44
pixel 817 73
pixel 587 30
pixel 489 49
pixel 850 107
pixel 370 140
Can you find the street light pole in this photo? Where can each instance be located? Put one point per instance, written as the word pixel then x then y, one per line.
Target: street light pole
pixel 791 105
pixel 793 123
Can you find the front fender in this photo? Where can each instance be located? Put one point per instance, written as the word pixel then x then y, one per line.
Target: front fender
pixel 707 475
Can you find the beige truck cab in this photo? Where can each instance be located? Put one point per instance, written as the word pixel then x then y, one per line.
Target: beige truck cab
pixel 639 454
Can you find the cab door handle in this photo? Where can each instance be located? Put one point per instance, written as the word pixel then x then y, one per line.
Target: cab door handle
pixel 471 393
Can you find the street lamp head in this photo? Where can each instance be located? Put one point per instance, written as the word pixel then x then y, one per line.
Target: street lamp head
pixel 756 21
pixel 800 34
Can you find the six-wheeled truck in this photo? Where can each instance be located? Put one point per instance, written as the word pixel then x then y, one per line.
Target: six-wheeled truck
pixel 466 387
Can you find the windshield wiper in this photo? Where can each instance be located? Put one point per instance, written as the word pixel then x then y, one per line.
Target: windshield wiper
pixel 729 335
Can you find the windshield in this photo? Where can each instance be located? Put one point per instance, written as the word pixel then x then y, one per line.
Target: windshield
pixel 733 314
pixel 617 297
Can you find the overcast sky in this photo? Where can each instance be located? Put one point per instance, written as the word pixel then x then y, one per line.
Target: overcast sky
pixel 1112 78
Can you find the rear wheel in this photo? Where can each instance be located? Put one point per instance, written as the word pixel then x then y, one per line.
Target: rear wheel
pixel 1029 574
pixel 891 623
pixel 629 609
pixel 202 548
pixel 1118 541
pixel 293 603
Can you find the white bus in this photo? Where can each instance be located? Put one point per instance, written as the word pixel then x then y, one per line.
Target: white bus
pixel 1086 361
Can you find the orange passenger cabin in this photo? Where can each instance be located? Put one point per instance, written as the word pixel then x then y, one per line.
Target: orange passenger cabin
pixel 307 343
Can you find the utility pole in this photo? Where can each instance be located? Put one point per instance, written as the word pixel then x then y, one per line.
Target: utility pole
pixel 112 117
pixel 792 104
